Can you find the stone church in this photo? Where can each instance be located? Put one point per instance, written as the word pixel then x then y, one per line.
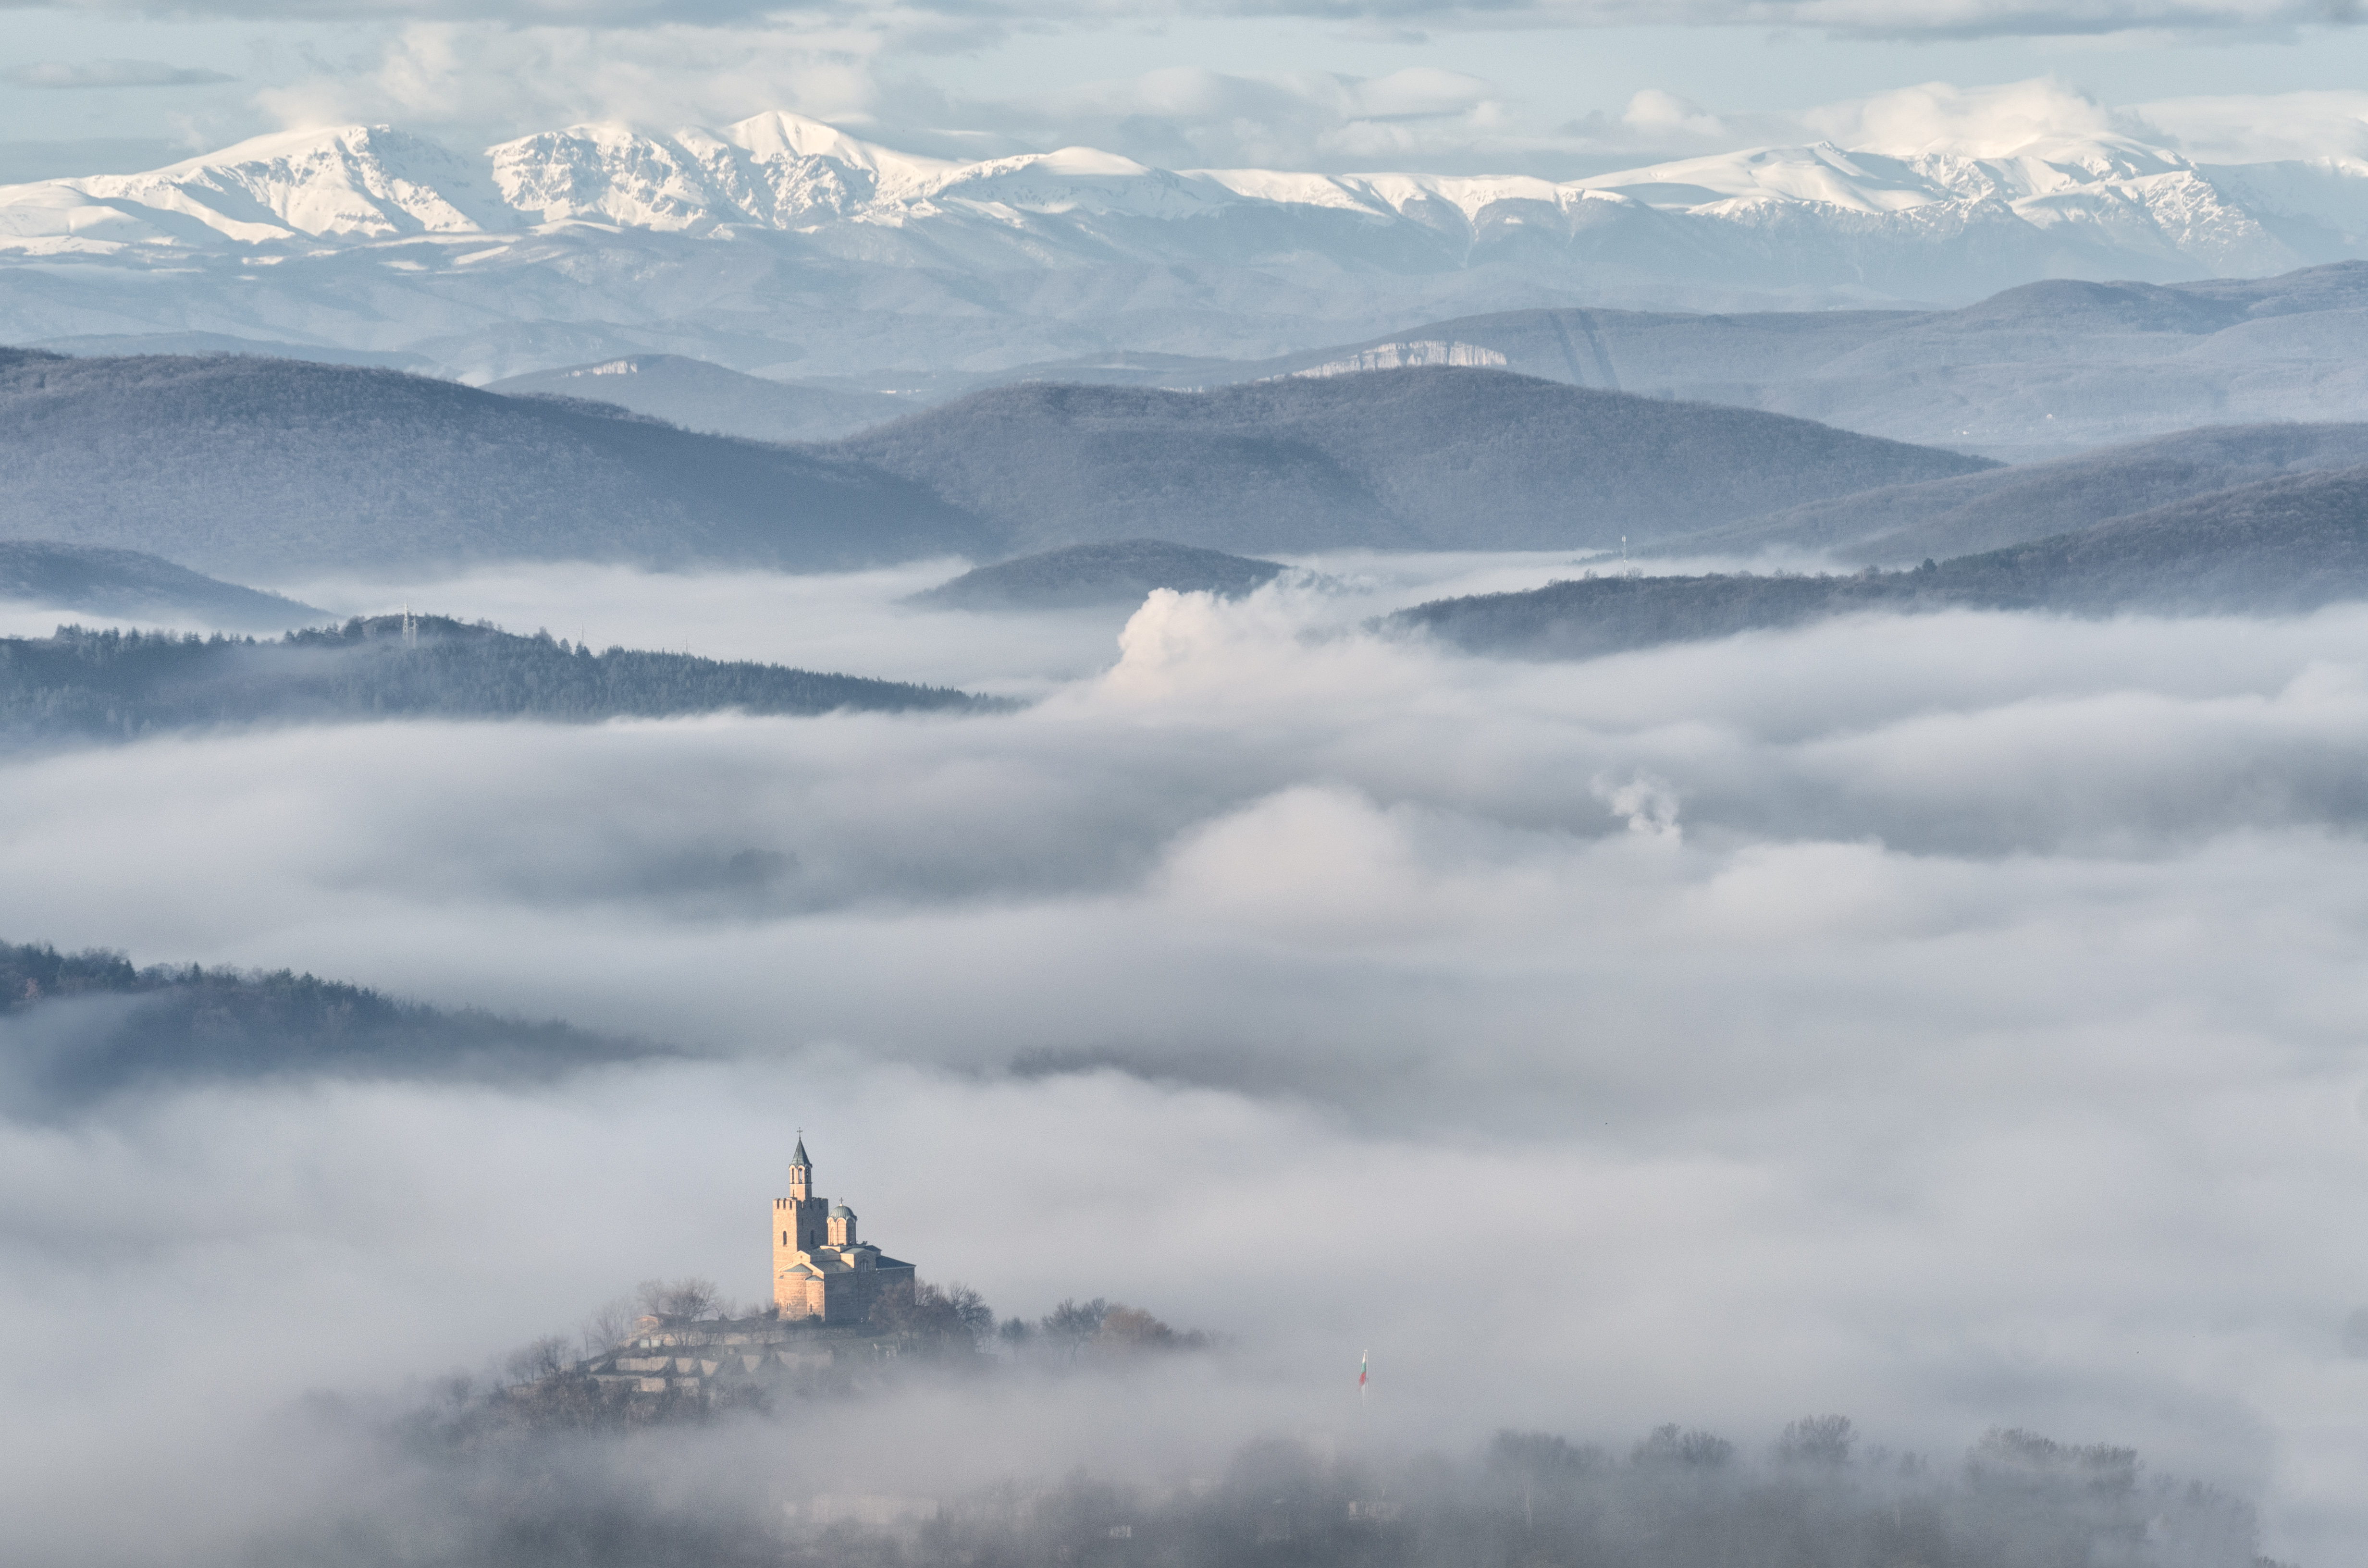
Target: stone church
pixel 820 1270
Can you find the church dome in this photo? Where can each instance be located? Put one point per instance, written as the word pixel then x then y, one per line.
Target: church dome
pixel 841 1211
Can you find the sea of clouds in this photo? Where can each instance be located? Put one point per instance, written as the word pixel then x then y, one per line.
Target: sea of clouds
pixel 1954 1020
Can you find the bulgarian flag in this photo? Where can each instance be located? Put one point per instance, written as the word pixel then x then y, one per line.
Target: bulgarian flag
pixel 1362 1356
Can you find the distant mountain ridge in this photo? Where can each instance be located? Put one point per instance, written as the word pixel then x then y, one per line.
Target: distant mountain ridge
pixel 2035 372
pixel 748 243
pixel 267 468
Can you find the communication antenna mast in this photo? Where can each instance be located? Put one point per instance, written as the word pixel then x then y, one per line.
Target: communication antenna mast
pixel 1623 555
pixel 410 627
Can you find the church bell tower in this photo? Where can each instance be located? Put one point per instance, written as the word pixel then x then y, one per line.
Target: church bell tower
pixel 800 1219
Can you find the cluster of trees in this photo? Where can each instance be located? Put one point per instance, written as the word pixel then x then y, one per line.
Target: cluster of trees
pixel 1098 1328
pixel 80 683
pixel 931 1318
pixel 1675 1498
pixel 192 1022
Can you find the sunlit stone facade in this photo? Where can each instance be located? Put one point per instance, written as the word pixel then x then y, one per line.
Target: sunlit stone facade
pixel 820 1268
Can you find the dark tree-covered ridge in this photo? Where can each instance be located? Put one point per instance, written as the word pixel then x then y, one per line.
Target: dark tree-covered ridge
pixel 77 1026
pixel 1081 575
pixel 1438 458
pixel 96 580
pixel 120 684
pixel 2281 546
pixel 259 467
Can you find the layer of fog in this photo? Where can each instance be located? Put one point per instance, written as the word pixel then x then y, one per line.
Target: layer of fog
pixel 1952 1020
pixel 857 622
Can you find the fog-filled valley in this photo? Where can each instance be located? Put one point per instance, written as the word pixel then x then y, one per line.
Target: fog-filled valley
pixel 1722 1035
pixel 790 814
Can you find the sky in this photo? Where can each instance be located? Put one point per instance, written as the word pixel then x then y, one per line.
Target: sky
pixel 1556 89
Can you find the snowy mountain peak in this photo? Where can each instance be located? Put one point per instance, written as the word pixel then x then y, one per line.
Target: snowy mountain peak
pixel 610 233
pixel 782 171
pixel 350 182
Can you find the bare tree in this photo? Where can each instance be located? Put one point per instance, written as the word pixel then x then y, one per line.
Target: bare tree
pixel 976 1317
pixel 545 1357
pixel 1820 1440
pixel 686 1298
pixel 606 1328
pixel 1073 1323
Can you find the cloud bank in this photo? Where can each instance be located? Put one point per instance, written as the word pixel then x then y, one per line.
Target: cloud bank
pixel 1889 18
pixel 1954 1021
pixel 58 74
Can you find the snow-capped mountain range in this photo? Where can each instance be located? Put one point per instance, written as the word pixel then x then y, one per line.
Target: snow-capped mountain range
pixel 784 245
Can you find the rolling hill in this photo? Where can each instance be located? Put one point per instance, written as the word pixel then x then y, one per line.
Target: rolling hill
pixel 126 584
pixel 2041 370
pixel 1083 576
pixel 261 468
pixel 1441 457
pixel 698 395
pixel 2282 546
pixel 103 1027
pixel 1896 525
pixel 119 685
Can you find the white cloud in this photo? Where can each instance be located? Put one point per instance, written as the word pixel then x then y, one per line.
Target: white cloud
pixel 2247 129
pixel 1908 19
pixel 60 73
pixel 1974 123
pixel 486 82
pixel 1656 113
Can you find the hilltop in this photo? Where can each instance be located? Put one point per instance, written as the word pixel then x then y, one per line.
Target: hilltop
pixel 127 583
pixel 262 467
pixel 105 1027
pixel 699 395
pixel 2282 546
pixel 1903 524
pixel 98 685
pixel 1083 576
pixel 1430 457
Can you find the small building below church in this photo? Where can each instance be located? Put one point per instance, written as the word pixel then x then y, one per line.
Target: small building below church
pixel 821 1270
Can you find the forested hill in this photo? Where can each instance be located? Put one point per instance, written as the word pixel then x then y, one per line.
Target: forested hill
pixel 1099 575
pixel 95 580
pixel 265 468
pixel 91 1023
pixel 1900 524
pixel 2280 547
pixel 96 683
pixel 1440 459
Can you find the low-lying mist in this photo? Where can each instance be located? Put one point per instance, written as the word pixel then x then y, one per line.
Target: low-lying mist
pixel 1950 1022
